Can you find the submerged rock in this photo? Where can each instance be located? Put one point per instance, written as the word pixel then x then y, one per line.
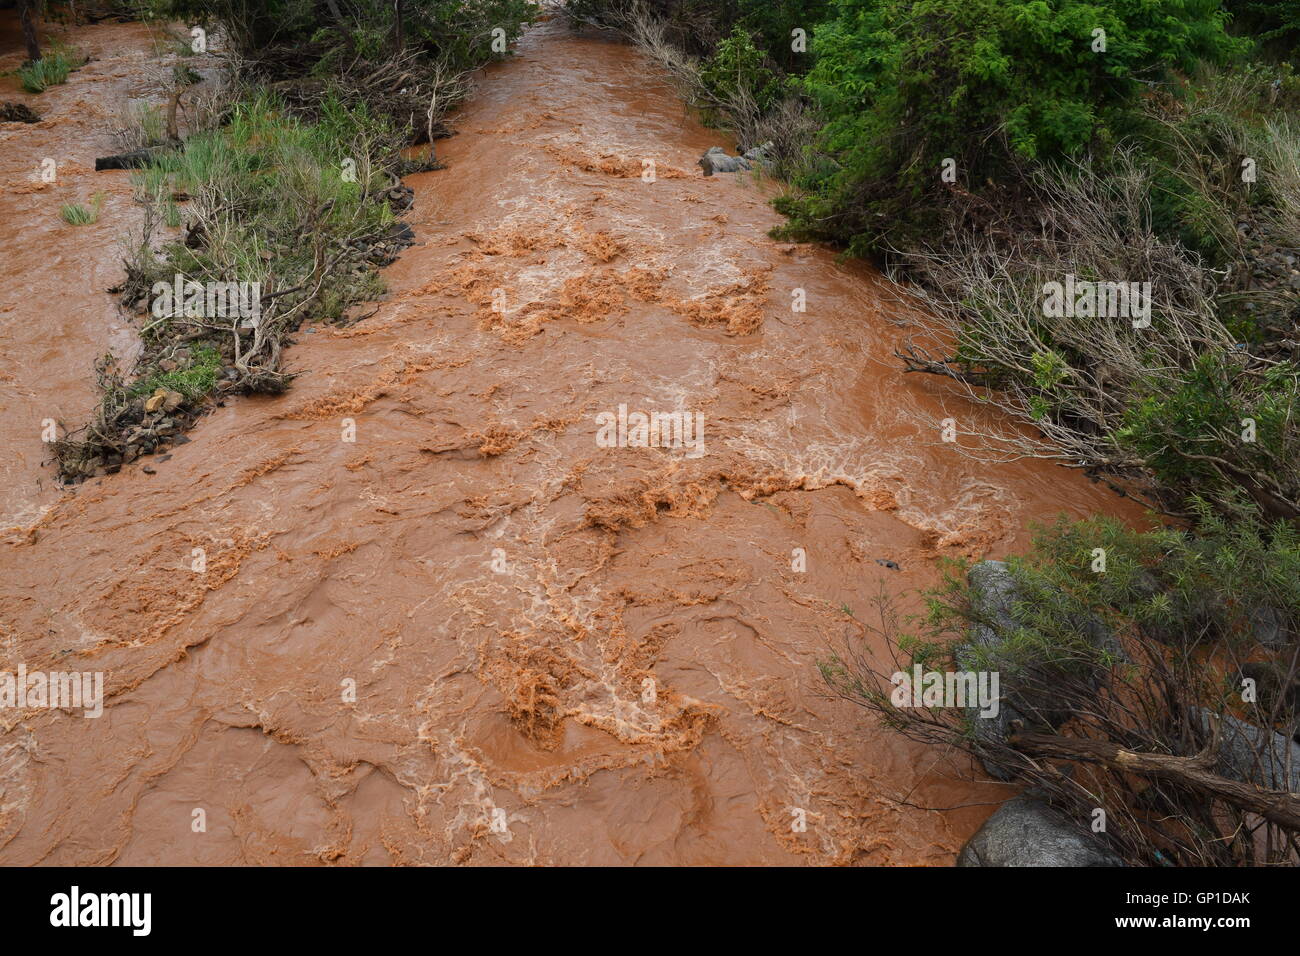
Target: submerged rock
pixel 11 112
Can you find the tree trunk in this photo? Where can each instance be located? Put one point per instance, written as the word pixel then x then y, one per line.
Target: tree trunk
pixel 399 41
pixel 29 29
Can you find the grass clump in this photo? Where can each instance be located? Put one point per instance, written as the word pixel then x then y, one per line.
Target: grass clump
pixel 193 382
pixel 276 199
pixel 75 214
pixel 52 69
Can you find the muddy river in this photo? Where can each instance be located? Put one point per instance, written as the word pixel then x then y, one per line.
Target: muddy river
pixel 445 611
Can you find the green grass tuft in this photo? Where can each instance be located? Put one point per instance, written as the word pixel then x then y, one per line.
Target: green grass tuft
pixel 75 214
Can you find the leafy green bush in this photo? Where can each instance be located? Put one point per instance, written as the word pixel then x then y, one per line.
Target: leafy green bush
pixel 987 83
pixel 1219 428
pixel 737 69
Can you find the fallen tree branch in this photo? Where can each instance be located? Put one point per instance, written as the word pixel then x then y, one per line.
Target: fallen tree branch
pixel 1276 806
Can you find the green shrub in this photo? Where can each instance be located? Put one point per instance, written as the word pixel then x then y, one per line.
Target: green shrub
pixel 1219 428
pixel 738 69
pixel 987 83
pixel 1108 639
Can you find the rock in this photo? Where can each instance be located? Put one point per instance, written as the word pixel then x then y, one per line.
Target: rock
pixel 149 470
pixel 758 154
pixel 18 113
pixel 400 232
pixel 155 401
pixel 1268 625
pixel 1252 754
pixel 886 563
pixel 1025 831
pixel 716 160
pixel 136 159
pixel 994 596
pixel 167 365
pixel 172 401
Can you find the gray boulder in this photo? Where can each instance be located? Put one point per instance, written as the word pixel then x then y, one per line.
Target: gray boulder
pixel 716 160
pixel 1269 626
pixel 994 596
pixel 1251 754
pixel 1025 831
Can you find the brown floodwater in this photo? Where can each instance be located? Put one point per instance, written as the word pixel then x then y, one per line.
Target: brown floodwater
pixel 562 653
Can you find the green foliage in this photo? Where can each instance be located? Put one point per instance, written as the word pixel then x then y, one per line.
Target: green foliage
pixel 988 83
pixel 77 215
pixel 738 68
pixel 456 32
pixel 1200 134
pixel 194 382
pixel 774 22
pixel 739 65
pixel 1274 24
pixel 1216 428
pixel 1162 584
pixel 50 70
pixel 285 193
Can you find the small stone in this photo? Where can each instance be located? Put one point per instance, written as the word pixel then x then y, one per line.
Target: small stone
pixel 172 401
pixel 148 470
pixel 167 365
pixel 155 401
